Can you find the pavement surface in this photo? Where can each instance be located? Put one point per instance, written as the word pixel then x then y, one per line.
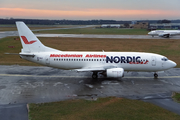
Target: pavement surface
pixel 34 84
pixel 14 112
pixel 15 33
pixel 105 36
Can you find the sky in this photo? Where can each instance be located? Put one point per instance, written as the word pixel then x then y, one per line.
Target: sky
pixel 91 9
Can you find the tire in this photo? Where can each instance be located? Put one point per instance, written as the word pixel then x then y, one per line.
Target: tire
pixel 155 75
pixel 94 76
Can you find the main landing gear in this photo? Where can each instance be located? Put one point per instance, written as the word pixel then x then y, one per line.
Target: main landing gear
pixel 155 75
pixel 95 75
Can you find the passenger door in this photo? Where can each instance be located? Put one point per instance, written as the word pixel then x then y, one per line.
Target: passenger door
pixel 153 61
pixel 47 61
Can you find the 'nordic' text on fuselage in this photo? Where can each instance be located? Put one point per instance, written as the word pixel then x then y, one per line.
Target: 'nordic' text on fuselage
pixel 127 59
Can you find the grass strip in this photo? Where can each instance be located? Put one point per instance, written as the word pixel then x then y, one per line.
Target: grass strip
pixel 110 108
pixel 110 31
pixel 176 97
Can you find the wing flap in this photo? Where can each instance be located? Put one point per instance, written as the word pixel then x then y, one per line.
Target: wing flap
pixel 95 69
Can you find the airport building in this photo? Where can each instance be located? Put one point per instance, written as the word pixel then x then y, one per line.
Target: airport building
pixel 165 26
pixel 110 26
pixel 141 25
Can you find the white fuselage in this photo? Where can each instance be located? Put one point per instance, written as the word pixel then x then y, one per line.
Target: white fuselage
pixel 162 33
pixel 129 61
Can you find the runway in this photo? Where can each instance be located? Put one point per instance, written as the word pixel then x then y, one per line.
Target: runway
pixel 31 84
pixel 105 36
pixel 19 75
pixel 14 33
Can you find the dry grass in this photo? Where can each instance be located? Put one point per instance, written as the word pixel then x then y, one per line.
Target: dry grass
pixel 104 31
pixel 102 109
pixel 176 96
pixel 166 47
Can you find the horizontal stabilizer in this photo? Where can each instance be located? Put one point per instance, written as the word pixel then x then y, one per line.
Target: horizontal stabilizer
pixel 22 54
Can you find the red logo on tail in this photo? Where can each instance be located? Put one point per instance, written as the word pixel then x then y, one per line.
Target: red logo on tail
pixel 26 41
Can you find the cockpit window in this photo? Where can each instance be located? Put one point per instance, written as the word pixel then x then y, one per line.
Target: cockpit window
pixel 164 59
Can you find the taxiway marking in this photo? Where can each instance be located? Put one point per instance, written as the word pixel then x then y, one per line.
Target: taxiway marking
pixel 19 75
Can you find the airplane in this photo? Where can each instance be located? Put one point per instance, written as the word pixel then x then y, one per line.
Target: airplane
pixel 109 64
pixel 164 33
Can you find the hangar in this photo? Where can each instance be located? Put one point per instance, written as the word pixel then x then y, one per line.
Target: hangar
pixel 110 26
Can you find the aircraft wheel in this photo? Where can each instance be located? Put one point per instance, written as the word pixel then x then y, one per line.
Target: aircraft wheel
pixel 94 76
pixel 155 75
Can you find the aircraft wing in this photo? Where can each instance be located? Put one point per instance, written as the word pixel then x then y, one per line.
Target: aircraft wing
pixel 94 69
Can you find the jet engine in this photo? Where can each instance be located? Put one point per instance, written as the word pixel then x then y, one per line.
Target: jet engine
pixel 115 72
pixel 166 35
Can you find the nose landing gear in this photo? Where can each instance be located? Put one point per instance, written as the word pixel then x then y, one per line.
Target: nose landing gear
pixel 155 75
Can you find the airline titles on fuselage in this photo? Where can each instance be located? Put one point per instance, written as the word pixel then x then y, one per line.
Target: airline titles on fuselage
pixel 111 59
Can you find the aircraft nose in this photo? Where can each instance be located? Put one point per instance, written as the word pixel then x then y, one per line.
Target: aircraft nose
pixel 149 33
pixel 172 64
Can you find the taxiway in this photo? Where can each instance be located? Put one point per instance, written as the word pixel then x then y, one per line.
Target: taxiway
pixel 31 84
pixel 14 33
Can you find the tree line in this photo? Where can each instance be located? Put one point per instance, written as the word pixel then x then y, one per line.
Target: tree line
pixel 62 22
pixel 78 22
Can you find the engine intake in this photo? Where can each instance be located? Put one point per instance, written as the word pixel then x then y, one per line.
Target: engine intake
pixel 115 72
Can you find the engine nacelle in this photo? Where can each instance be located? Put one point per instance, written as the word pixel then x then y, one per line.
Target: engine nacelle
pixel 115 72
pixel 166 35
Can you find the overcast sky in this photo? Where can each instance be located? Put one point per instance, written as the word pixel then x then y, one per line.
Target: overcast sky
pixel 91 9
